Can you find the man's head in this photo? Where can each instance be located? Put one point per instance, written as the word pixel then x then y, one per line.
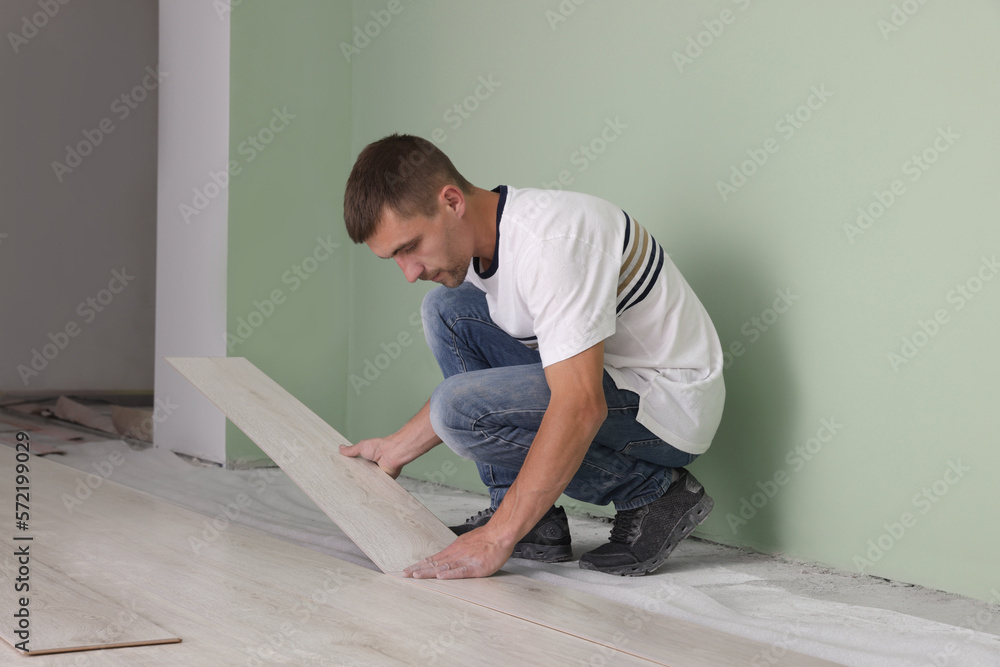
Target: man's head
pixel 405 199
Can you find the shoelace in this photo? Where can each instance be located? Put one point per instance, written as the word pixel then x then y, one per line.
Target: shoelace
pixel 621 527
pixel 478 515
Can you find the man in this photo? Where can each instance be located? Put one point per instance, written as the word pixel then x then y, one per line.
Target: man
pixel 576 359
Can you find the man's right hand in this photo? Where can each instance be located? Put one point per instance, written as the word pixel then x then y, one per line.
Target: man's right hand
pixel 392 453
pixel 383 451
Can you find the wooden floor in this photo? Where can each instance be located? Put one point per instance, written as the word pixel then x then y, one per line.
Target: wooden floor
pixel 248 598
pixel 238 596
pixel 235 595
pixel 64 614
pixel 395 530
pixel 380 516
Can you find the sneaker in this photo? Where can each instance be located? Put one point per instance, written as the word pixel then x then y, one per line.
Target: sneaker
pixel 642 538
pixel 548 541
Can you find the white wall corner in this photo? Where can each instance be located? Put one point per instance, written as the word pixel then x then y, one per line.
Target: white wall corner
pixel 191 235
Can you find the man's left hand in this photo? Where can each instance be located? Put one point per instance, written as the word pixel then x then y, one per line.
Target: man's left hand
pixel 477 553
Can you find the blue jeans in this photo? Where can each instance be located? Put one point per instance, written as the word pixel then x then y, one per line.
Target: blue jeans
pixel 490 405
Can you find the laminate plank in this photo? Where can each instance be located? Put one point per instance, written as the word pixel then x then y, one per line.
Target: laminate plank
pixel 245 597
pixel 388 524
pixel 241 390
pixel 64 615
pixel 617 626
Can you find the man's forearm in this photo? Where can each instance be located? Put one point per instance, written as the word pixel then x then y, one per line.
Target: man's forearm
pixel 575 413
pixel 564 436
pixel 417 434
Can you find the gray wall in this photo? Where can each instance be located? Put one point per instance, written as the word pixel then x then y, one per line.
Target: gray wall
pixel 65 233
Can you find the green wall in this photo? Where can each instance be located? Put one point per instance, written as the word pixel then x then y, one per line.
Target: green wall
pixel 828 442
pixel 289 261
pixel 879 96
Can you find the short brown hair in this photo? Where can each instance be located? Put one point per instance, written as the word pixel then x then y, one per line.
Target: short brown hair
pixel 400 171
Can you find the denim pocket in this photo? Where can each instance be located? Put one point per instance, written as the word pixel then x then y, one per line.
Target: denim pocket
pixel 659 452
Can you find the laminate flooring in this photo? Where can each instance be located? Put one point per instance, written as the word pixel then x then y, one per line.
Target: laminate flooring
pixel 363 497
pixel 63 614
pixel 237 596
pixel 375 512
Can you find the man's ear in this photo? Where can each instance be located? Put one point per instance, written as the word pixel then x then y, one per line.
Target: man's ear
pixel 453 198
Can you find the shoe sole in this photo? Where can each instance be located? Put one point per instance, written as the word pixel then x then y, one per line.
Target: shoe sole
pixel 551 553
pixel 695 517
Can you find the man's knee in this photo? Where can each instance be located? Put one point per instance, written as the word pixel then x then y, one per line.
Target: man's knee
pixel 430 308
pixel 443 409
pixel 435 311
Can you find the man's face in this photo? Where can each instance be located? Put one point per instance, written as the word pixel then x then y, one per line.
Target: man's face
pixel 437 248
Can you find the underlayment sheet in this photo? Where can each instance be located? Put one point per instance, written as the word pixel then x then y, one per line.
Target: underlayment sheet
pixel 695 584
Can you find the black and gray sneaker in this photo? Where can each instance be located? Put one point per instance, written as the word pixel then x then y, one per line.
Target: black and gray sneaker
pixel 642 538
pixel 548 541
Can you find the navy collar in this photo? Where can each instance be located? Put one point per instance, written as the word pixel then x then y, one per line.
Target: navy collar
pixel 502 189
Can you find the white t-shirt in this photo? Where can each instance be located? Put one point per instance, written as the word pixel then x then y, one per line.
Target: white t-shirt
pixel 571 270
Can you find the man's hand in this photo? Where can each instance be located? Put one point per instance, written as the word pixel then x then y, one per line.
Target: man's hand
pixel 477 553
pixel 392 453
pixel 383 451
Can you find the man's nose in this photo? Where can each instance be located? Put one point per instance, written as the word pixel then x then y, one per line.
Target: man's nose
pixel 411 270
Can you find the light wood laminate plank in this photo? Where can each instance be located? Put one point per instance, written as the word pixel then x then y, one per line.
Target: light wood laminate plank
pixel 373 510
pixel 65 615
pixel 243 597
pixel 652 636
pixel 241 390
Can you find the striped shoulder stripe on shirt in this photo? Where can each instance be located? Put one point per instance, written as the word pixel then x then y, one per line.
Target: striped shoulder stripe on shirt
pixel 529 341
pixel 642 260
